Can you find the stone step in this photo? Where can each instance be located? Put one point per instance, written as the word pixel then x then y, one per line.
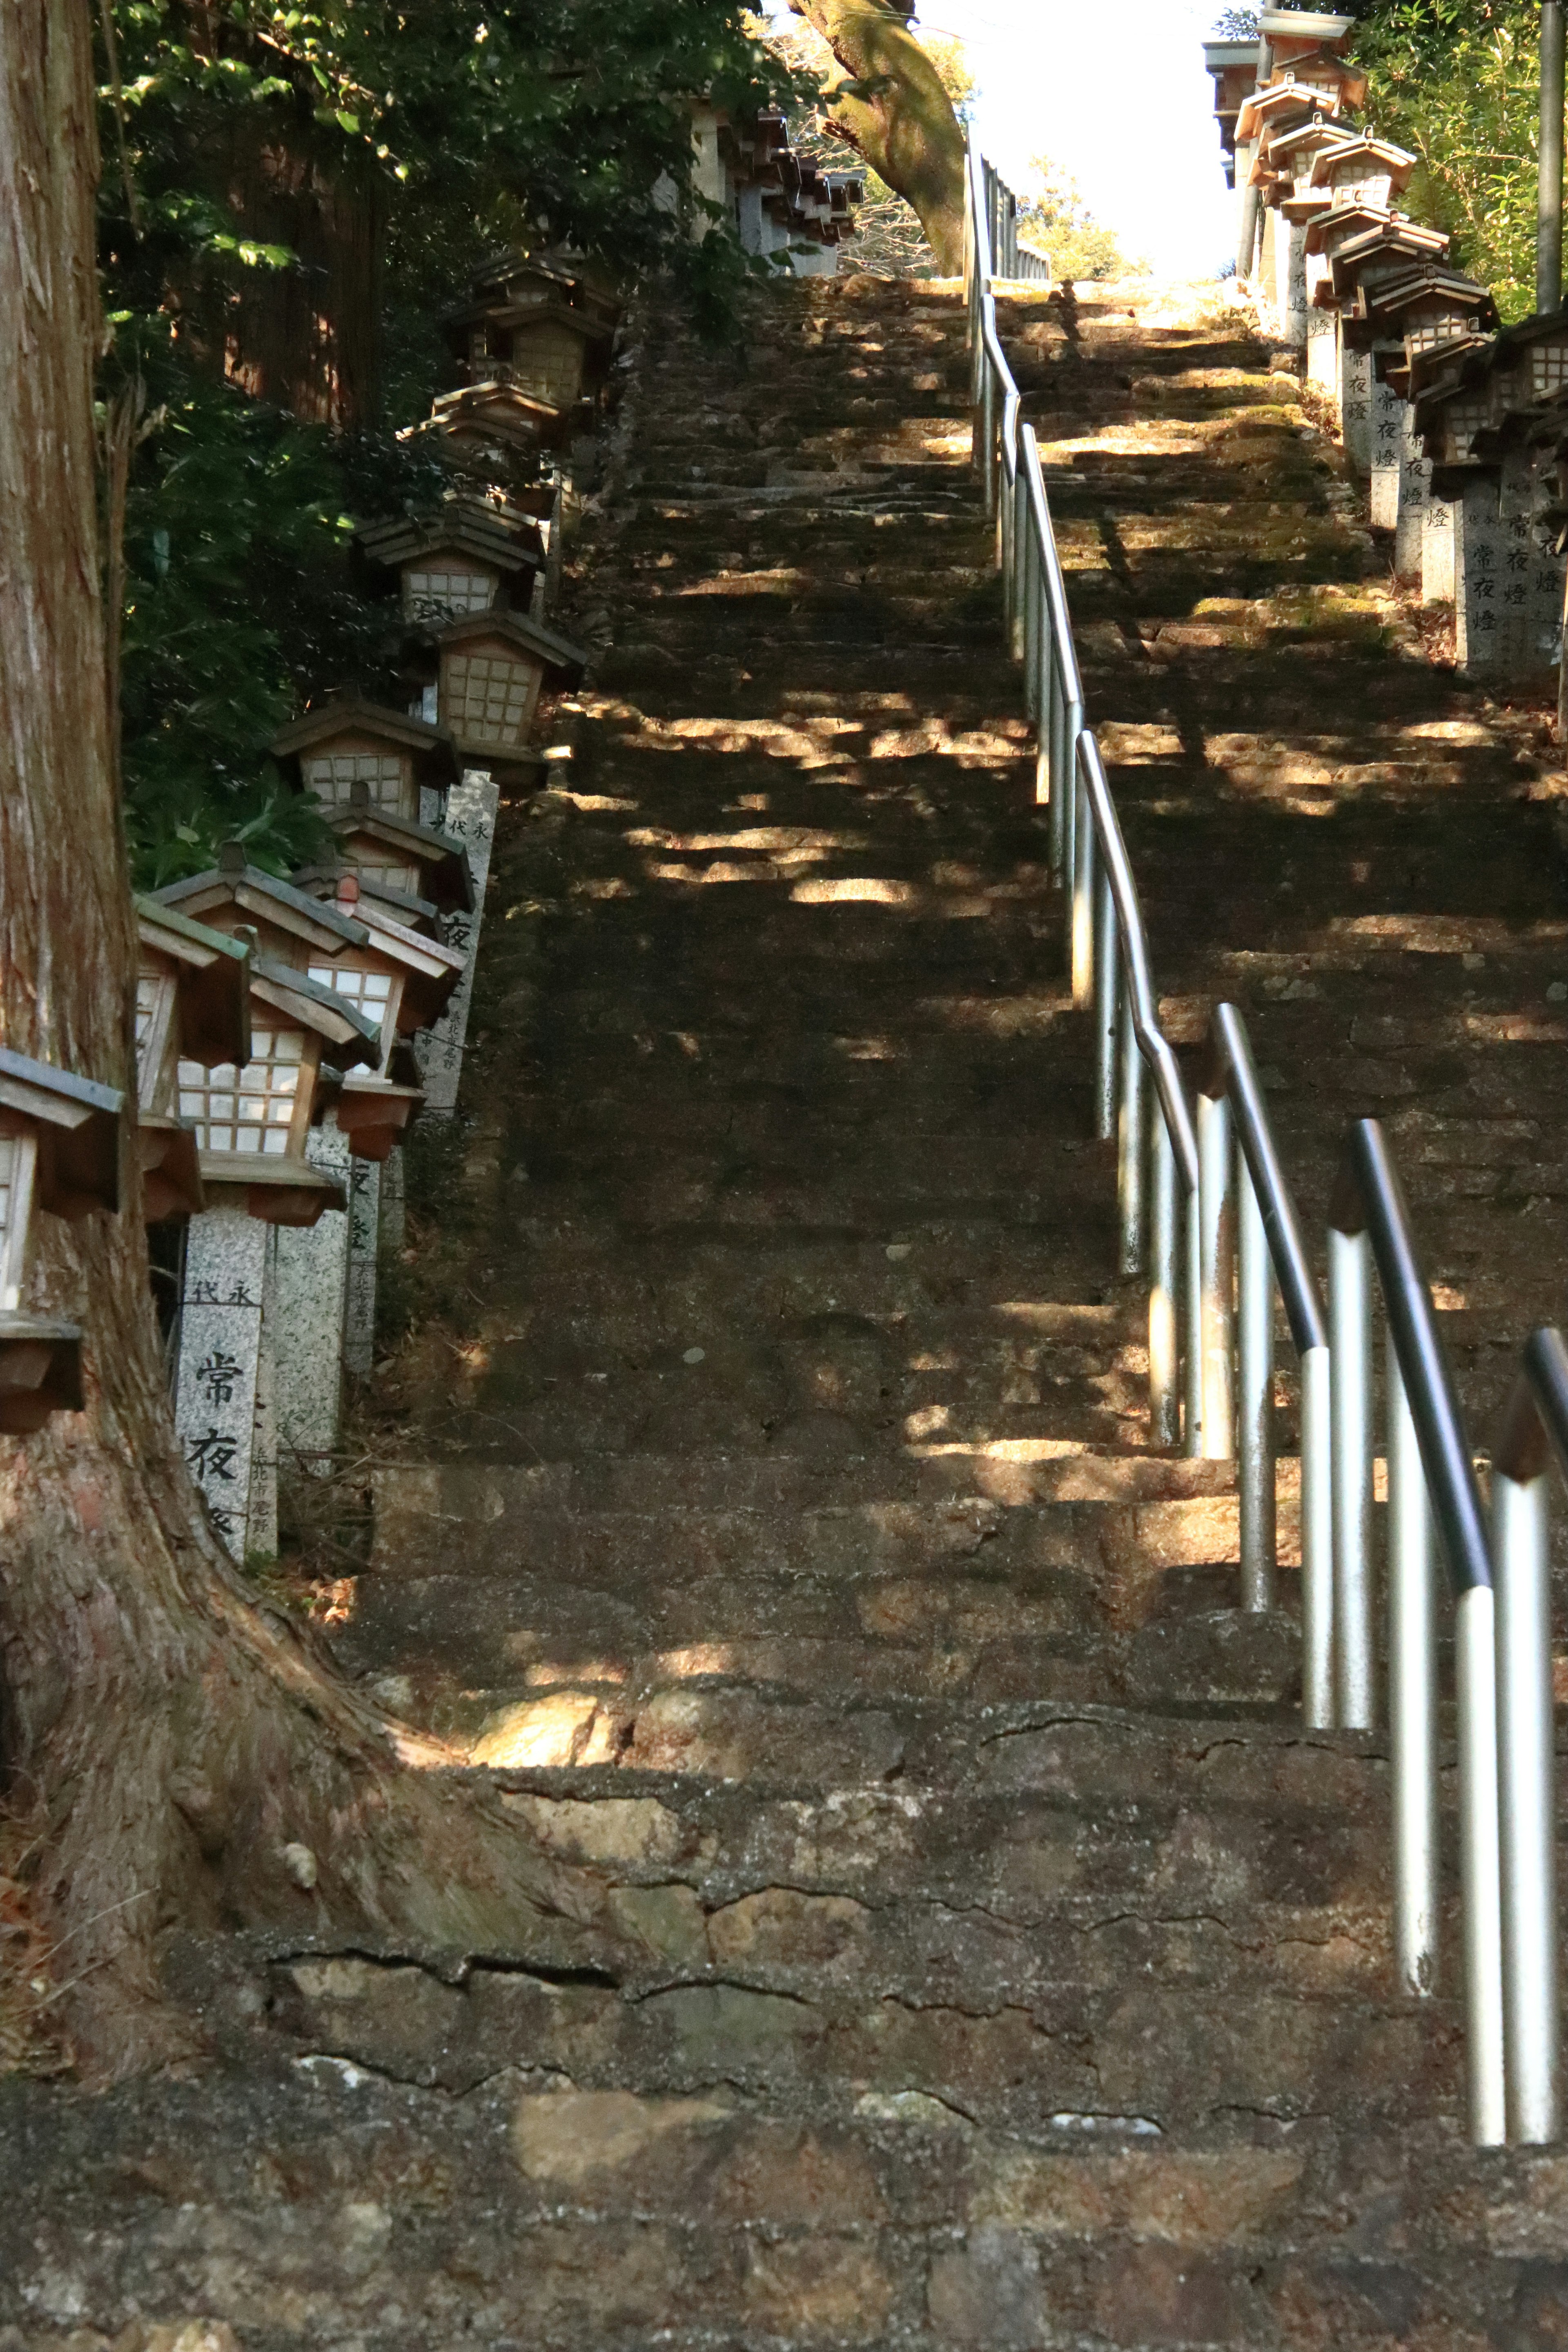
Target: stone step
pixel 553 2215
pixel 453 1654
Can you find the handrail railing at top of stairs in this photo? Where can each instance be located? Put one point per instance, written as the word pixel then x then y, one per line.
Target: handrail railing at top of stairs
pixel 1211 1364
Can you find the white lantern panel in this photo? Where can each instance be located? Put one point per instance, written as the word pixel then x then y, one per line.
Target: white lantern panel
pixel 250 1110
pixel 489 697
pixel 333 775
pixel 446 595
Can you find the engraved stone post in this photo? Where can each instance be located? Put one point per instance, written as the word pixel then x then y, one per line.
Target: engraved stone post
pixel 1323 350
pixel 1478 579
pixel 1355 407
pixel 312 1279
pixel 1414 501
pixel 220 1360
pixel 364 1235
pixel 1293 310
pixel 471 816
pixel 1437 552
pixel 1387 455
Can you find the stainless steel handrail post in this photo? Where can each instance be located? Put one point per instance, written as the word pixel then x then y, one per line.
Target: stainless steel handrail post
pixel 1367 1200
pixel 1130 1125
pixel 1255 1400
pixel 1192 1330
pixel 1527 1804
pixel 1350 1342
pixel 1535 1427
pixel 1217 1198
pixel 1107 1008
pixel 1481 1862
pixel 1082 931
pixel 1019 569
pixel 1412 1695
pixel 1164 1282
pixel 1047 794
pixel 1276 1255
pixel 1317 1539
pixel 1031 604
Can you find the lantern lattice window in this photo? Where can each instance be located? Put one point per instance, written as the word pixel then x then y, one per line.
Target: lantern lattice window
pixel 1548 368
pixel 154 1010
pixel 250 1110
pixel 488 697
pixel 369 992
pixel 446 595
pixel 376 875
pixel 547 362
pixel 333 775
pixel 16 1157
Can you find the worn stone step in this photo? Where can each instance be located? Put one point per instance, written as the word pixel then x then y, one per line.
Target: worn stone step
pixel 552 2215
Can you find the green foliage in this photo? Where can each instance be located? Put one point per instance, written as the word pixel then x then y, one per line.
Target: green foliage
pixel 1053 215
pixel 240 602
pixel 1458 83
pixel 463 127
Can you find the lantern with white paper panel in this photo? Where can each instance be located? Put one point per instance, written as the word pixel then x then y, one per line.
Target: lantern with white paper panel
pixel 59 1156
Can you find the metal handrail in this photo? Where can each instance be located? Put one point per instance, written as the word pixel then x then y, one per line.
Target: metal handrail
pixel 1506 1810
pixel 1242 1228
pixel 1269 1250
pixel 1086 847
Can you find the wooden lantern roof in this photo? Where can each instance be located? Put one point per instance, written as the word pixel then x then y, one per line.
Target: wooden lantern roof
pixel 212 981
pixel 77 1123
pixel 429 970
pixel 245 892
pixel 466 527
pixel 522 281
pixel 500 412
pixel 197 1009
pixel 441 858
pixel 1285 101
pixel 348 1040
pixel 1375 156
pixel 321 879
pixel 431 749
pixel 1332 230
pixel 555 653
pixel 40 1371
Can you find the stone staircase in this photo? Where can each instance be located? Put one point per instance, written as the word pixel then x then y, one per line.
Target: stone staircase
pixel 772 1510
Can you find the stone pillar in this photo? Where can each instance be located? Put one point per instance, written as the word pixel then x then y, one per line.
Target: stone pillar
pixel 221 1344
pixel 1323 350
pixel 1415 503
pixel 1293 308
pixel 1438 552
pixel 1387 454
pixel 312 1279
pixel 261 1513
pixel 1355 406
pixel 1270 285
pixel 392 1198
pixel 471 816
pixel 364 1240
pixel 1478 579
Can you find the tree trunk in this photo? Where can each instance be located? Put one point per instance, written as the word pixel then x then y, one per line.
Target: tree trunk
pixel 889 103
pixel 197 1765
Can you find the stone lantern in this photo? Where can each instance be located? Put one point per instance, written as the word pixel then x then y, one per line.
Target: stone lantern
pixel 193 1006
pixel 469 558
pixel 536 325
pixel 254 1127
pixel 411 872
pixel 350 741
pixel 491 669
pixel 252 1120
pixel 401 980
pixel 1362 171
pixel 59 1153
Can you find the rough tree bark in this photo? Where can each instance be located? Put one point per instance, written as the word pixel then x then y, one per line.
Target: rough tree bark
pixel 180 1740
pixel 889 102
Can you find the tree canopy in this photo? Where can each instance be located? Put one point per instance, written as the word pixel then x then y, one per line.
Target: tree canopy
pixel 290 195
